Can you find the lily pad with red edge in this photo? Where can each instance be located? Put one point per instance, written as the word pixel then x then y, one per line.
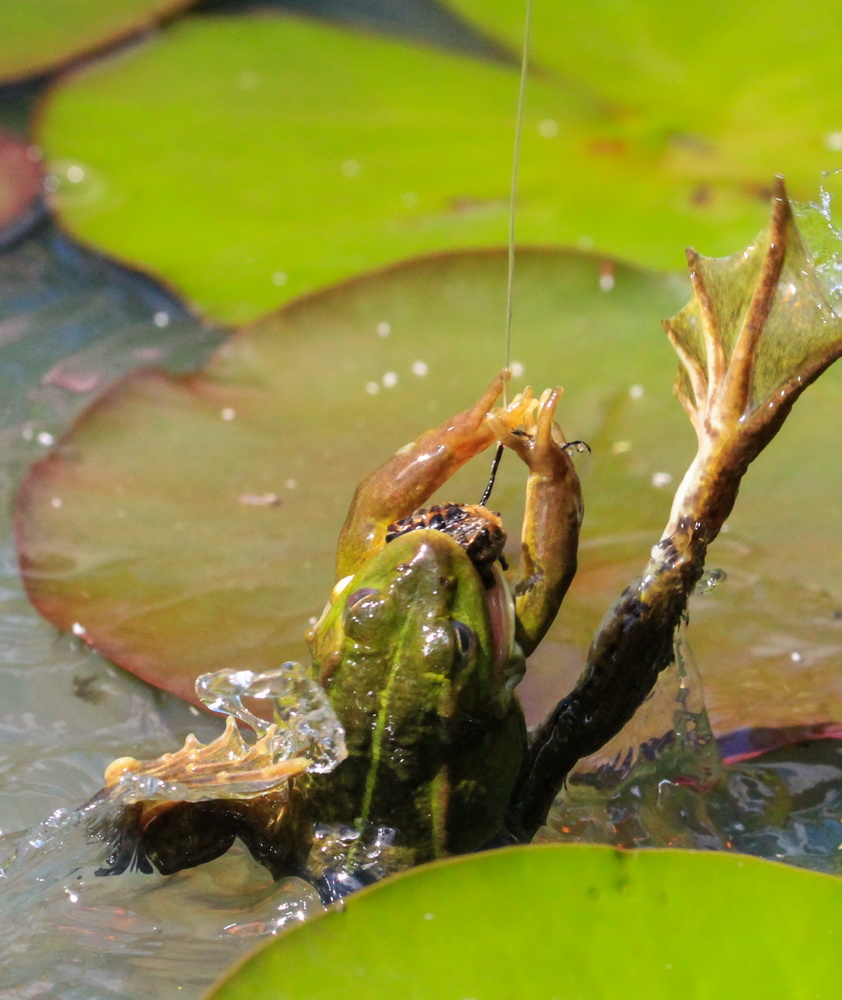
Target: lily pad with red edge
pixel 189 524
pixel 35 38
pixel 21 176
pixel 564 922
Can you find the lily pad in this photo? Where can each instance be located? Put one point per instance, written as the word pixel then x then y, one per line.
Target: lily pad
pixel 21 176
pixel 729 95
pixel 246 160
pixel 36 38
pixel 564 922
pixel 187 524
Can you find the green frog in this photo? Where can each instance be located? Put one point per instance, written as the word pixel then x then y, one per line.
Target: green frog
pixel 419 649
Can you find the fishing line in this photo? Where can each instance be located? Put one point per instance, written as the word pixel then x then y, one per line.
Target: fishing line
pixel 510 277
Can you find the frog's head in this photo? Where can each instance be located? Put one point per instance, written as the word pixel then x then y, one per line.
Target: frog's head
pixel 419 661
pixel 418 615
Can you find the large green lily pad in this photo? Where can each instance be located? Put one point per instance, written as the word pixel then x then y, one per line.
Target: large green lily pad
pixel 36 37
pixel 565 922
pixel 726 93
pixel 245 160
pixel 187 524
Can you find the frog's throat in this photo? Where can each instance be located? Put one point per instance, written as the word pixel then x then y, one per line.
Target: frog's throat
pixel 508 663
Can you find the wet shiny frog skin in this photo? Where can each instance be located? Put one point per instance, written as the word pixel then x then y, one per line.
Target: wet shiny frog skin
pixel 420 647
pixel 419 651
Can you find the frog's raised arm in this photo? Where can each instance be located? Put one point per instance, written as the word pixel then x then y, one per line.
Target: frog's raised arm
pixel 412 475
pixel 550 536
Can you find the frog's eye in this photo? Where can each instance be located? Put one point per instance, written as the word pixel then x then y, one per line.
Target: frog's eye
pixel 358 597
pixel 464 640
pixel 366 611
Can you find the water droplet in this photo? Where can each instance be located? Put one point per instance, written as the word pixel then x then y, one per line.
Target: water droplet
pixel 420 368
pixel 78 628
pixel 660 479
pixel 351 168
pixel 291 484
pixel 517 369
pixel 636 392
pixel 75 173
pixel 384 328
pixel 161 319
pixel 796 657
pixel 45 438
pixel 280 278
pixel 372 388
pixel 620 447
pixel 606 281
pixel 833 141
pixel 711 579
pixel 228 413
pixel 260 499
pixel 390 380
pixel 548 128
pixel 56 502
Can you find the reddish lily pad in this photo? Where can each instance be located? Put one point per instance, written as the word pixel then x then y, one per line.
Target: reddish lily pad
pixel 187 524
pixel 21 176
pixel 35 38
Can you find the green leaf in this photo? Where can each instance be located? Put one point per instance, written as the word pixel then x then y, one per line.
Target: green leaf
pixel 245 160
pixel 20 182
pixel 564 922
pixel 38 37
pixel 728 95
pixel 153 526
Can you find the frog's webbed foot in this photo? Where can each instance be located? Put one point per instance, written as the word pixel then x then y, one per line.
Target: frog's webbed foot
pixel 225 768
pixel 528 428
pixel 756 333
pixel 185 808
pixel 759 329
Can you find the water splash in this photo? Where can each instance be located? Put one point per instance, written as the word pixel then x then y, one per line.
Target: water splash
pixel 823 238
pixel 306 724
pixel 674 790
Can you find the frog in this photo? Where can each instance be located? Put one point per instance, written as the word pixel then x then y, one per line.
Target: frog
pixel 420 649
pixel 425 637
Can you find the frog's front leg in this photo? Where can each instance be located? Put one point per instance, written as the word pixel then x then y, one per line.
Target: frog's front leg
pixel 414 473
pixel 554 509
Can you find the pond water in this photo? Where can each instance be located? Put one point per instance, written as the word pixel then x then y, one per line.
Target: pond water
pixel 68 324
